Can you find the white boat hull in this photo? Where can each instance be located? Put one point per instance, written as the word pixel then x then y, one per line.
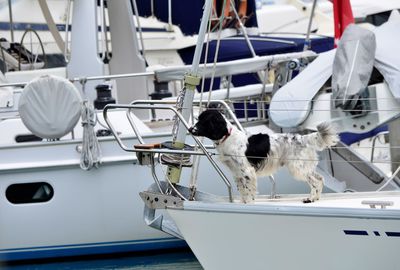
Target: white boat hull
pixel 96 211
pixel 92 212
pixel 237 236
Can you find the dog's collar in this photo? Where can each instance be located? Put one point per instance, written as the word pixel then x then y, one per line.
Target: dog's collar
pixel 225 137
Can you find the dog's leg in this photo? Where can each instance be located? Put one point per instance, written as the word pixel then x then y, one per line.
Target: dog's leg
pixel 316 184
pixel 320 185
pixel 247 187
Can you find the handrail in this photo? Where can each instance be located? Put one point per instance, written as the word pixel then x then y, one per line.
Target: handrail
pixel 184 123
pixel 374 142
pixel 195 102
pixel 153 172
pixel 91 78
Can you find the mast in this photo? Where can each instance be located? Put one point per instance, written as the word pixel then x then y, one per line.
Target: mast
pixel 191 80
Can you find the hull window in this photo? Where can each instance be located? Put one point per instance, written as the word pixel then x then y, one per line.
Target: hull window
pixel 37 192
pixel 27 138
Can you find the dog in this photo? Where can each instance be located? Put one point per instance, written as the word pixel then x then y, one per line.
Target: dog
pixel 263 154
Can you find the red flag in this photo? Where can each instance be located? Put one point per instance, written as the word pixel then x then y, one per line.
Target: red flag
pixel 343 16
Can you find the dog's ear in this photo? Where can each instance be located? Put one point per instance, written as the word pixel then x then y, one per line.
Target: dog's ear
pixel 218 125
pixel 211 124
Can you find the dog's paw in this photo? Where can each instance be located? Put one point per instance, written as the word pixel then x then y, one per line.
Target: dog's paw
pixel 248 199
pixel 307 200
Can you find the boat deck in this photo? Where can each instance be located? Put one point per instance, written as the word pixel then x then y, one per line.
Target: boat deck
pixel 388 200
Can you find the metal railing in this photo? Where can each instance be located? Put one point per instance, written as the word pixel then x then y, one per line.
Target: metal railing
pixel 195 103
pixel 91 78
pixel 203 149
pixel 384 133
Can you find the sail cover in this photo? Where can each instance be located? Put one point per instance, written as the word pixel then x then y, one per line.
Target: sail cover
pixel 353 64
pixel 291 104
pixel 387 59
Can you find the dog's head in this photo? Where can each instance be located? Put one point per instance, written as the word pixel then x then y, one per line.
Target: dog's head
pixel 211 124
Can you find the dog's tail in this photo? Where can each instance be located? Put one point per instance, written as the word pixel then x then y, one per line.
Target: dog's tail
pixel 326 136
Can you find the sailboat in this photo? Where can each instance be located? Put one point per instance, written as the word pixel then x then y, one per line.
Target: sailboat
pixel 345 230
pixel 68 189
pixel 350 231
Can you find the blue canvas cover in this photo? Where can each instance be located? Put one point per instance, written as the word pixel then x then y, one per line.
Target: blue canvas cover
pixel 187 13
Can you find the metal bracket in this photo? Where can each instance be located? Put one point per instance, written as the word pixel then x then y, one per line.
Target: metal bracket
pixel 144 158
pixel 155 200
pixel 191 81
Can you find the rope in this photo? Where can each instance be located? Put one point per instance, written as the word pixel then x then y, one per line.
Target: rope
pixel 177 159
pixel 91 153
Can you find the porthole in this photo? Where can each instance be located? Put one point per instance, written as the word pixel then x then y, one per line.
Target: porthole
pixel 37 192
pixel 27 138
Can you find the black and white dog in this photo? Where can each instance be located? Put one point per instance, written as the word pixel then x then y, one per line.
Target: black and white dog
pixel 263 155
